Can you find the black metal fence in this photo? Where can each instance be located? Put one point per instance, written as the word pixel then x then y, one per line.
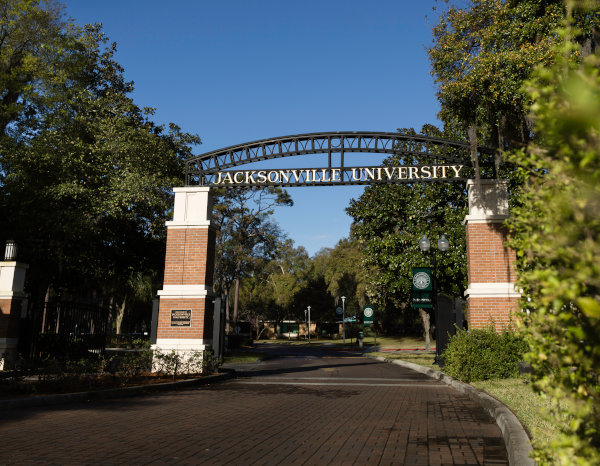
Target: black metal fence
pixel 63 329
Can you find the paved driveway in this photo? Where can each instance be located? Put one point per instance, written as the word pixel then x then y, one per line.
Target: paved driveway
pixel 299 407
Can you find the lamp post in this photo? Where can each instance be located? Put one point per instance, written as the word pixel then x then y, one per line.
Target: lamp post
pixel 308 324
pixel 305 324
pixel 344 318
pixel 425 245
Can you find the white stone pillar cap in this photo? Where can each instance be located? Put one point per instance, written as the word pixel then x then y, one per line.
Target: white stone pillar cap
pixel 193 207
pixel 488 200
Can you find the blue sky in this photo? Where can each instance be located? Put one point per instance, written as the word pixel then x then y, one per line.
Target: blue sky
pixel 235 71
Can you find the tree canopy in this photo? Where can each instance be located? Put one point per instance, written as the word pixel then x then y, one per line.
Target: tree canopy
pixel 556 234
pixel 483 52
pixel 247 236
pixel 389 220
pixel 85 175
pixel 522 76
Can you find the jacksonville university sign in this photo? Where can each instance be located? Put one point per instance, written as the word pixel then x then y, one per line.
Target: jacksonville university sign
pixel 419 159
pixel 331 176
pixel 189 319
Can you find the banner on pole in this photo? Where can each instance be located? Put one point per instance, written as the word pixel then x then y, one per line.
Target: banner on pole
pixel 422 287
pixel 368 315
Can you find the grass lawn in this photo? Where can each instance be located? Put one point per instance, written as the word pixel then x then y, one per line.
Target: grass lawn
pixel 423 359
pixel 369 340
pixel 399 343
pixel 527 405
pixel 243 356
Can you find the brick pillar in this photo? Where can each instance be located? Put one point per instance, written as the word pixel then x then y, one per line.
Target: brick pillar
pixel 185 314
pixel 491 265
pixel 13 302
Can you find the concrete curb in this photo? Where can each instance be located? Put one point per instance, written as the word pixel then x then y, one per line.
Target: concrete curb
pixel 516 439
pixel 64 398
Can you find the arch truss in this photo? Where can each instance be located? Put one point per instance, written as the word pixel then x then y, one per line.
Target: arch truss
pixel 430 159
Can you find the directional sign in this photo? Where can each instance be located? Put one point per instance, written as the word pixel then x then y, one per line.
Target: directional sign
pixel 368 315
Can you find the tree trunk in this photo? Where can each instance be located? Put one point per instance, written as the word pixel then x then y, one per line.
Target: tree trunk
pixel 120 316
pixel 472 132
pixel 426 327
pixel 236 295
pixel 259 334
pixel 227 321
pixel 46 299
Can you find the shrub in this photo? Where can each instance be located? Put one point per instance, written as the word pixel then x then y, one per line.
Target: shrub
pixel 129 365
pixel 482 354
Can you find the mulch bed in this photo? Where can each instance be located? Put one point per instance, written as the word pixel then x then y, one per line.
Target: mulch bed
pixel 33 386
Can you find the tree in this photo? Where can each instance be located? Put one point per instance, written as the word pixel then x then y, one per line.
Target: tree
pixel 344 273
pixel 482 57
pixel 86 173
pixel 288 274
pixel 482 54
pixel 32 36
pixel 246 234
pixel 389 220
pixel 557 238
pixel 272 290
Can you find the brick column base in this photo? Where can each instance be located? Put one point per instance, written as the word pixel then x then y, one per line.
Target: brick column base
pixel 491 294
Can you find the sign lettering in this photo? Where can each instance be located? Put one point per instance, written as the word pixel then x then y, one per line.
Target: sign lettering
pixel 181 317
pixel 337 175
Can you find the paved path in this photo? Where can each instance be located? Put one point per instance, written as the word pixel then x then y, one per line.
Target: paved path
pixel 297 408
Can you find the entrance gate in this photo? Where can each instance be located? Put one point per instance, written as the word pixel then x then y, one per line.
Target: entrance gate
pixel 186 310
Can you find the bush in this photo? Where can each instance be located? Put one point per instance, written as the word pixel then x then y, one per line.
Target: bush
pixel 482 354
pixel 129 365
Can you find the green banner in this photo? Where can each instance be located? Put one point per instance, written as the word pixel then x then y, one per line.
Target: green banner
pixel 422 287
pixel 368 315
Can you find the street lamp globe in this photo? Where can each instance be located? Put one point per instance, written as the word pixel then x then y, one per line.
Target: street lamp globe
pixel 424 244
pixel 443 243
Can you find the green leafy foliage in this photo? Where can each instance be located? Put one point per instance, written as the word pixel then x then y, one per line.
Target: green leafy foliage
pixel 283 286
pixel 129 365
pixel 483 354
pixel 176 363
pixel 557 238
pixel 247 236
pixel 33 45
pixel 389 220
pixel 345 274
pixel 270 291
pixel 483 52
pixel 85 175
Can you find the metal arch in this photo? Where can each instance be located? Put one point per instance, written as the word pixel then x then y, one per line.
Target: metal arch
pixel 324 143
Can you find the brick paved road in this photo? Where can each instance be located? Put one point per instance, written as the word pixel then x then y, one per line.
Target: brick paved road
pixel 307 408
